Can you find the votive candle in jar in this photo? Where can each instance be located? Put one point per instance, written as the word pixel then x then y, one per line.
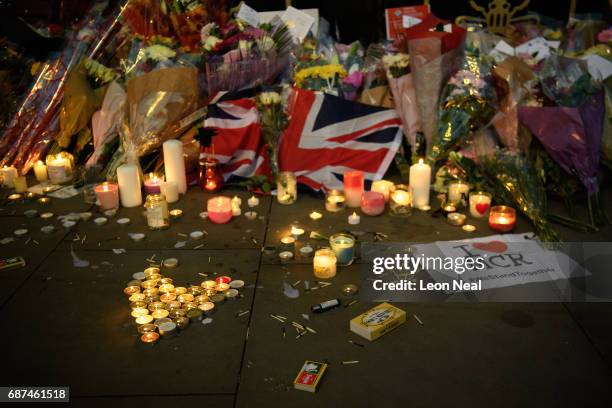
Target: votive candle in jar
pixel 400 201
pixel 324 263
pixel 456 190
pixel 219 209
pixel 60 167
pixel 108 195
pixel 40 171
pixel 343 246
pixel 502 218
pixel 158 216
pixel 353 188
pixel 152 183
pixel 334 201
pixel 372 203
pixel 479 204
pixel 384 187
pixel 286 188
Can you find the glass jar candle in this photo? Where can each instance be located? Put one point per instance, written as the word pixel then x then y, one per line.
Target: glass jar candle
pixel 343 246
pixel 286 188
pixel 107 195
pixel 372 203
pixel 219 209
pixel 479 204
pixel 384 187
pixel 324 263
pixel 334 201
pixel 353 188
pixel 456 191
pixel 60 167
pixel 158 216
pixel 400 201
pixel 502 218
pixel 152 183
pixel 210 175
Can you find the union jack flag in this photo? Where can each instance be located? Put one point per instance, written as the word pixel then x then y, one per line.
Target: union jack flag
pixel 328 135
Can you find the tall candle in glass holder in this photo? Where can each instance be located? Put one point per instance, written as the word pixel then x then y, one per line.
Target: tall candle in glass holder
pixel 219 209
pixel 353 188
pixel 456 190
pixel 174 164
pixel 129 185
pixel 343 246
pixel 479 204
pixel 108 195
pixel 384 187
pixel 502 218
pixel 40 171
pixel 152 183
pixel 8 174
pixel 324 263
pixel 401 201
pixel 420 181
pixel 170 190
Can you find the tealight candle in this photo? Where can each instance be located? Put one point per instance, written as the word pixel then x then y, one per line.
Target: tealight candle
pixel 182 322
pixel 160 313
pixel 502 218
pixel 285 256
pixel 384 187
pixel 315 215
pixel 149 338
pixel 8 175
pixel 207 307
pixel 334 201
pixel 456 219
pixel 288 244
pixel 209 284
pixel 253 201
pixel 168 297
pixel 185 297
pixel 456 190
pixel 223 279
pixel 449 208
pixel 140 311
pixel 166 288
pixel 354 219
pixel 222 287
pixel 343 246
pixel 21 184
pixel 147 328
pixel 130 290
pixel 40 171
pixel 324 263
pixel 250 215
pixel 14 197
pixel 479 204
pixel 108 195
pixel 152 183
pixel 296 232
pixel 372 203
pixel 169 189
pixel 219 209
pixel 468 228
pixel 137 297
pixel 146 319
pixel 353 187
pixel 400 202
pixel 420 181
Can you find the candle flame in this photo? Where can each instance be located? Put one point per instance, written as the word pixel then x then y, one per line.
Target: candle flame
pixel 420 161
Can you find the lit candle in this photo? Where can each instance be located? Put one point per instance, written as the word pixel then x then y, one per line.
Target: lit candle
pixel 456 190
pixel 354 219
pixel 479 204
pixel 315 215
pixel 169 190
pixel 21 184
pixel 286 188
pixel 174 164
pixel 253 201
pixel 400 202
pixel 296 232
pixel 40 171
pixel 384 187
pixel 236 203
pixel 343 246
pixel 219 209
pixel 59 168
pixel 334 201
pixel 108 195
pixel 372 203
pixel 353 187
pixel 149 338
pixel 250 215
pixel 207 308
pixel 420 180
pixel 288 244
pixel 152 183
pixel 502 218
pixel 8 175
pixel 146 319
pixel 456 219
pixel 324 263
pixel 129 185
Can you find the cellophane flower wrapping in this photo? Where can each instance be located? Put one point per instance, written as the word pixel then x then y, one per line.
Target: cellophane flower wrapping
pixel 352 58
pixel 566 81
pixel 376 90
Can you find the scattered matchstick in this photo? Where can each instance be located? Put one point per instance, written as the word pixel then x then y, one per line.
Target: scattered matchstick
pixel 350 362
pixel 355 343
pixel 417 319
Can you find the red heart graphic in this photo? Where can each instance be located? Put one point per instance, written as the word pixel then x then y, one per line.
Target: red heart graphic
pixel 482 208
pixel 493 246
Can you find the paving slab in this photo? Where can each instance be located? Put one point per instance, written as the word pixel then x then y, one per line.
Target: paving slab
pixel 72 326
pixel 35 246
pixel 239 233
pixel 463 354
pixel 9 208
pixel 208 401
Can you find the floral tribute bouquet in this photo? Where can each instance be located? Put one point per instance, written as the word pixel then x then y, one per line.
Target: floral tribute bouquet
pixel 239 56
pixel 317 70
pixel 273 120
pixel 351 57
pixel 376 86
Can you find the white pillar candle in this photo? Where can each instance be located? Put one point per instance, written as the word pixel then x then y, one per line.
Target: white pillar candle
pixel 8 176
pixel 456 189
pixel 40 171
pixel 175 164
pixel 21 184
pixel 170 190
pixel 129 185
pixel 382 186
pixel 420 181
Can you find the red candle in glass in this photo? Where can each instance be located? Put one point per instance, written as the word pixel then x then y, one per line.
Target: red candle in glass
pixel 219 209
pixel 502 218
pixel 223 279
pixel 353 187
pixel 372 203
pixel 210 176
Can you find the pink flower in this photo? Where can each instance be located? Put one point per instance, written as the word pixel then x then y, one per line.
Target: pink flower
pixel 355 79
pixel 605 36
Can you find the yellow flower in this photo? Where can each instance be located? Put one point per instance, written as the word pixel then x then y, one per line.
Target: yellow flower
pixel 326 72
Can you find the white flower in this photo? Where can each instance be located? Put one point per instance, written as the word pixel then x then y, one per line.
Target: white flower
pixel 158 52
pixel 210 42
pixel 270 98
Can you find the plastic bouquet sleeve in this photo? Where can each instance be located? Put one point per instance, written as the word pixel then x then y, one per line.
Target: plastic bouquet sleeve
pixel 404 97
pixel 104 122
